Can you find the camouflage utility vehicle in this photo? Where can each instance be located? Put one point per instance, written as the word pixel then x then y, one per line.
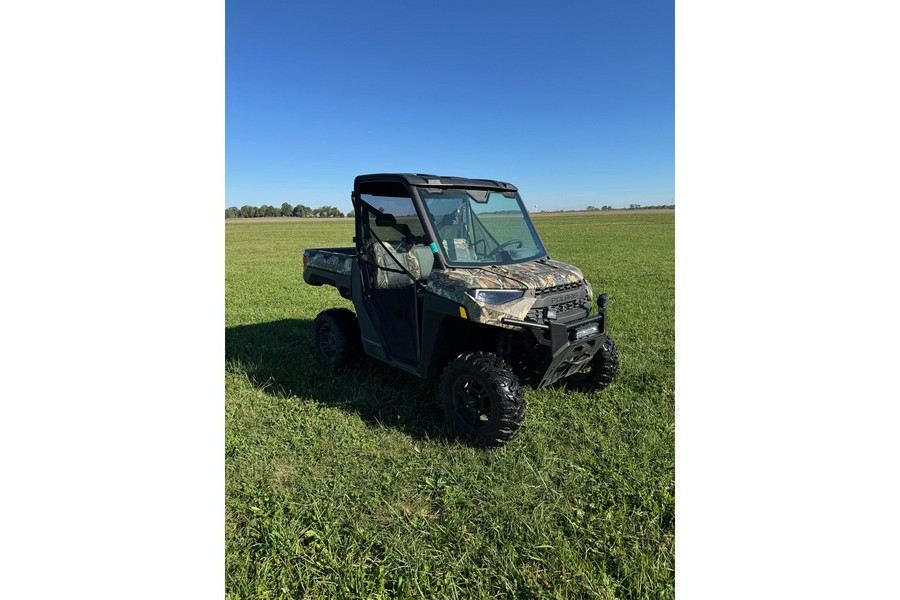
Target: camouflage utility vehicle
pixel 448 276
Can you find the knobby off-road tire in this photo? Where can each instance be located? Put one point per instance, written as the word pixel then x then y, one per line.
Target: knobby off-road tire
pixel 600 371
pixel 482 399
pixel 336 339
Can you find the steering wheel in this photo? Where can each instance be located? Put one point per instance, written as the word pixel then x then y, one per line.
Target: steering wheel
pixel 505 244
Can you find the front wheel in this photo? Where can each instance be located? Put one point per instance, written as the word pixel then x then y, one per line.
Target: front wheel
pixel 600 371
pixel 482 399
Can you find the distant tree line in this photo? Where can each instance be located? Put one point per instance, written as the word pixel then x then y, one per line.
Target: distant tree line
pixel 631 207
pixel 301 210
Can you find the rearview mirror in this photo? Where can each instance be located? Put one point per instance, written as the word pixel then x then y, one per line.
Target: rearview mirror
pixel 479 196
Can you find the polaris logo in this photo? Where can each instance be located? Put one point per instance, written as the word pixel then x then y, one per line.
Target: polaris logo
pixel 560 298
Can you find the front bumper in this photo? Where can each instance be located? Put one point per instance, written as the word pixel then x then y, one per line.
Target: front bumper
pixel 564 353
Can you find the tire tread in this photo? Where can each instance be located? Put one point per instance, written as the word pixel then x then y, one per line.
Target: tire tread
pixel 346 329
pixel 604 367
pixel 508 398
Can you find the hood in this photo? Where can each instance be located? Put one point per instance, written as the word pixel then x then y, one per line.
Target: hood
pixel 532 275
pixel 537 274
pixel 452 284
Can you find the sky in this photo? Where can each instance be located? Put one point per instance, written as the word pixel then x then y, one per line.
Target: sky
pixel 571 102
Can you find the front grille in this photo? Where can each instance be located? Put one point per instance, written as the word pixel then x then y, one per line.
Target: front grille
pixel 557 289
pixel 563 309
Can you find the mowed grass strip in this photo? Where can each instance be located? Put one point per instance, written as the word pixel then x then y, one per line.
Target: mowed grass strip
pixel 349 484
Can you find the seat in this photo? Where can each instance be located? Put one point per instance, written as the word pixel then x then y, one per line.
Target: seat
pixel 386 257
pixel 418 260
pixel 424 257
pixel 458 250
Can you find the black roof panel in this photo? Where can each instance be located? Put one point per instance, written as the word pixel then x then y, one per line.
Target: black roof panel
pixel 435 180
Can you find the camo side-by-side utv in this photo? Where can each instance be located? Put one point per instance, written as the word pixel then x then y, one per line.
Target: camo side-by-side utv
pixel 448 274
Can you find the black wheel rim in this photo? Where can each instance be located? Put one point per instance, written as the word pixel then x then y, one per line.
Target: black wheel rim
pixel 327 343
pixel 472 401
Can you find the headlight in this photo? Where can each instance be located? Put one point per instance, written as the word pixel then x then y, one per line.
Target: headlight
pixel 495 296
pixel 587 331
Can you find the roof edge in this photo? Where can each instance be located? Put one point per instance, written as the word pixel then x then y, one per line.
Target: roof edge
pixel 423 179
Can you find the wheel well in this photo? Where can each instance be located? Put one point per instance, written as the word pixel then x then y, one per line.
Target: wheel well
pixel 455 337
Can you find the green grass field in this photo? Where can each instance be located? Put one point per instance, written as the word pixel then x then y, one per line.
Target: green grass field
pixel 349 484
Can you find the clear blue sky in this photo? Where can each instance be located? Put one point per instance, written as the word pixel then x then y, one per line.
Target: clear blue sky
pixel 572 102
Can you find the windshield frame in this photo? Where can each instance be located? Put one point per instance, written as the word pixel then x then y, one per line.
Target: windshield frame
pixel 429 222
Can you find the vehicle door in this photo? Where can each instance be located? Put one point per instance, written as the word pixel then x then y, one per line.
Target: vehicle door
pixel 394 262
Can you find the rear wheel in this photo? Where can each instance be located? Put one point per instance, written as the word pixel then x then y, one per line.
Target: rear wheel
pixel 482 399
pixel 337 340
pixel 600 371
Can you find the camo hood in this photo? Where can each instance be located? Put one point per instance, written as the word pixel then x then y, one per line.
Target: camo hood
pixel 453 284
pixel 538 274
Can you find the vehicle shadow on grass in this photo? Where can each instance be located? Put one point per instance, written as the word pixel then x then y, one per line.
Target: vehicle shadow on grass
pixel 278 356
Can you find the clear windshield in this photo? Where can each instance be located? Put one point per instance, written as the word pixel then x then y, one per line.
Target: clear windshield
pixel 481 227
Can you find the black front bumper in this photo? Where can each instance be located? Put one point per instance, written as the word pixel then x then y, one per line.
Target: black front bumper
pixel 564 354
